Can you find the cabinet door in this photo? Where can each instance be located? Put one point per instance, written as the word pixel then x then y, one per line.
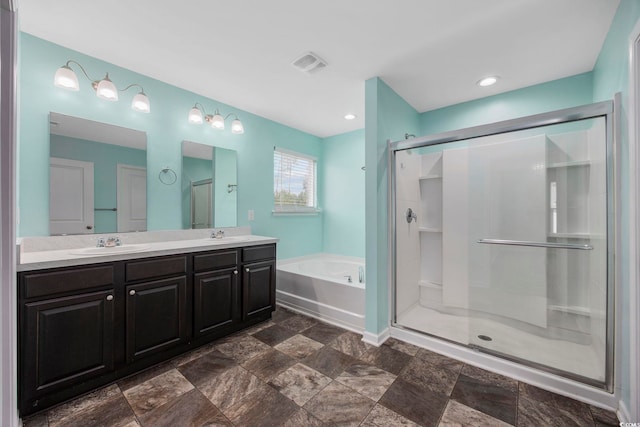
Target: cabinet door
pixel 155 316
pixel 258 289
pixel 66 341
pixel 216 303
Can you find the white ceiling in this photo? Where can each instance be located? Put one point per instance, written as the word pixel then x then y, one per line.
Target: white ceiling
pixel 431 52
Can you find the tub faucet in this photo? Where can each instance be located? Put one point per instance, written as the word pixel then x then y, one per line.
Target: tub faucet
pixel 349 279
pixel 361 274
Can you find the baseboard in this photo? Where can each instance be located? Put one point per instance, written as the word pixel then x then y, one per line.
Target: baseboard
pixel 623 413
pixel 376 339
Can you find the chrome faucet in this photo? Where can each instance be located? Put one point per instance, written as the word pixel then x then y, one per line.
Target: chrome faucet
pixel 100 243
pixel 109 242
pixel 361 274
pixel 217 235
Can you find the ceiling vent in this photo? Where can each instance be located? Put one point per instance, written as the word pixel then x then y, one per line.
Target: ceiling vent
pixel 309 63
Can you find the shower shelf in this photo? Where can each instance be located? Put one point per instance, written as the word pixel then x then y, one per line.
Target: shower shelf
pixel 430 230
pixel 430 284
pixel 425 177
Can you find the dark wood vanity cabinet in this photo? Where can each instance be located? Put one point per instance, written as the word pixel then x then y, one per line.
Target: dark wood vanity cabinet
pixel 67 330
pixel 83 327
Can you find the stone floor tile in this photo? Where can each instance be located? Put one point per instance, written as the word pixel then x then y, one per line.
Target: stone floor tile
pixel 269 364
pixel 350 343
pixel 424 374
pixel 274 335
pixel 384 417
pixel 112 412
pixel 328 361
pixel 206 367
pixel 263 407
pixel 368 380
pixel 231 386
pixel 157 391
pixel 189 409
pixel 486 396
pixel 384 357
pixel 456 414
pixel 604 417
pixel 298 323
pixel 338 404
pixel 415 403
pixel 323 332
pixel 402 346
pixel 82 403
pixel 303 418
pixel 242 347
pixel 300 383
pixel 299 346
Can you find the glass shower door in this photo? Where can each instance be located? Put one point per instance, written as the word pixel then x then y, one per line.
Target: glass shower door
pixel 501 245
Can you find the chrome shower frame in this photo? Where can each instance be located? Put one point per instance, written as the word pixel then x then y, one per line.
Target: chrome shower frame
pixel 610 111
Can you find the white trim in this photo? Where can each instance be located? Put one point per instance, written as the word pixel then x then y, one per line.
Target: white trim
pixel 544 380
pixel 376 339
pixel 8 290
pixel 623 413
pixel 332 321
pixel 295 153
pixel 634 226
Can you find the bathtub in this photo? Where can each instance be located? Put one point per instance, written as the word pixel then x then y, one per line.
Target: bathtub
pixel 318 285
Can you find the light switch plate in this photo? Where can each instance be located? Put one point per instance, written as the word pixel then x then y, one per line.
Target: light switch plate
pixel 251 215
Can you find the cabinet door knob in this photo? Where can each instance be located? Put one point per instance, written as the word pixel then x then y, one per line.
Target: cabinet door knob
pixel 132 292
pixel 247 270
pixel 109 297
pixel 235 272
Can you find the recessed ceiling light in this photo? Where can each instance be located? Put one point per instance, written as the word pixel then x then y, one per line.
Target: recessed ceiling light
pixel 350 116
pixel 488 81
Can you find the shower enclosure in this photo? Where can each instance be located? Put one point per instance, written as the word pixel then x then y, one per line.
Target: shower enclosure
pixel 503 240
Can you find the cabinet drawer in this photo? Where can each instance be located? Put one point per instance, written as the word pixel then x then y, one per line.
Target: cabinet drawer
pixel 215 260
pixel 55 282
pixel 257 253
pixel 149 269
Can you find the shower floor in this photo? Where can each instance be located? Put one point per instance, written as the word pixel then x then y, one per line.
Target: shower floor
pixel 567 356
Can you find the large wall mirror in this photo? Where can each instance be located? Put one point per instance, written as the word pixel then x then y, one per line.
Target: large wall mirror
pixel 209 186
pixel 97 177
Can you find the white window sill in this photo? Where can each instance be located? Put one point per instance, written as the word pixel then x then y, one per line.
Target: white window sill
pixel 310 212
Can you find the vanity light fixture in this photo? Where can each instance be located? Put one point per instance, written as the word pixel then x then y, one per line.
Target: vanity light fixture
pixel 198 115
pixel 487 81
pixel 66 78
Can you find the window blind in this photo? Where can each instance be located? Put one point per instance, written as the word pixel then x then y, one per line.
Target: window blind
pixel 294 182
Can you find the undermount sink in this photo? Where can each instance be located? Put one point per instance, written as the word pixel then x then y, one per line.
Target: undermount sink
pixel 230 239
pixel 112 250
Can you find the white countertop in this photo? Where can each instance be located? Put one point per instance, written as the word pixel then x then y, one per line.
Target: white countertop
pixel 38 260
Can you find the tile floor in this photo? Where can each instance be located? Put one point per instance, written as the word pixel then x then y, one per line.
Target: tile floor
pixel 296 371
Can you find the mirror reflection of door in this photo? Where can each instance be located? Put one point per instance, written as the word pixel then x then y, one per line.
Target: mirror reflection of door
pixel 201 215
pixel 71 196
pixel 132 200
pixel 118 201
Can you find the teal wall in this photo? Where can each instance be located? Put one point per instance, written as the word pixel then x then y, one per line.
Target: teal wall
pixel 387 117
pixel 555 95
pixel 193 170
pixel 105 159
pixel 166 126
pixel 343 195
pixel 611 75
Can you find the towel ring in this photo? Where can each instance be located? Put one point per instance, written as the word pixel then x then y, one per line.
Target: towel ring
pixel 167 176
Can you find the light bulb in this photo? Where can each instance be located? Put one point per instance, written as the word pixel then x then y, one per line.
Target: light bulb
pixel 195 116
pixel 106 89
pixel 236 127
pixel 488 81
pixel 66 78
pixel 217 121
pixel 141 103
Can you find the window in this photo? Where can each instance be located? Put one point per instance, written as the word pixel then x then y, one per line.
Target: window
pixel 294 182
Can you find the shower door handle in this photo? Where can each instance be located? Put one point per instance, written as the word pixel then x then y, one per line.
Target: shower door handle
pixel 536 244
pixel 411 216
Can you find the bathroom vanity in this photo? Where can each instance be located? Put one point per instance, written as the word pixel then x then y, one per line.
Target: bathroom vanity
pixel 85 321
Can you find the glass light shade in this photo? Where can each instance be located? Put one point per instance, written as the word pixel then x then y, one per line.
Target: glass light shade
pixel 217 121
pixel 107 90
pixel 66 78
pixel 141 103
pixel 236 127
pixel 195 116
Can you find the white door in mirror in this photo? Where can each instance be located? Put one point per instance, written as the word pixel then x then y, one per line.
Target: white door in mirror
pixel 132 198
pixel 70 196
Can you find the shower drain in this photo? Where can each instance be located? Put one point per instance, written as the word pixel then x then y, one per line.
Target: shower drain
pixel 485 338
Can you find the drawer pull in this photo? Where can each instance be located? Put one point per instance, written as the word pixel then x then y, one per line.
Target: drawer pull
pixel 132 292
pixel 235 272
pixel 247 270
pixel 109 297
